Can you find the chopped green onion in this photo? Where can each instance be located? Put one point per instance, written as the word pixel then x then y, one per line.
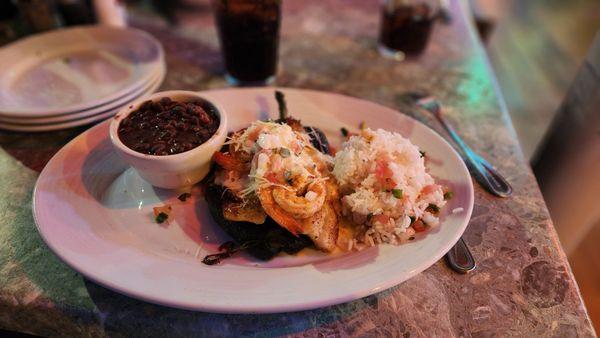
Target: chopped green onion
pixel 422 153
pixel 397 193
pixel 161 217
pixel 284 152
pixel 344 132
pixel 448 195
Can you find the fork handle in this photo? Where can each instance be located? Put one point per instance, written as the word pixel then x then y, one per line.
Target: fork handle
pixel 484 172
pixel 494 182
pixel 459 258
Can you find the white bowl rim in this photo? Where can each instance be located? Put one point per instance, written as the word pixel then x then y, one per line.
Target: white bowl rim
pixel 131 107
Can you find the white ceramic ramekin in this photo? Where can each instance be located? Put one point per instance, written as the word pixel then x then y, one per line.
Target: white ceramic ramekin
pixel 171 171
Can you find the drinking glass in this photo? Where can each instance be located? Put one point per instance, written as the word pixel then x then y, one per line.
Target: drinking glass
pixel 249 37
pixel 406 26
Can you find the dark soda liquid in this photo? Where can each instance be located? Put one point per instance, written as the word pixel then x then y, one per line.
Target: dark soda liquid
pixel 406 28
pixel 249 35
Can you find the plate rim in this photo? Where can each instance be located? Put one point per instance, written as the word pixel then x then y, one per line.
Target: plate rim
pixel 160 71
pixel 80 120
pixel 389 282
pixel 153 84
pixel 87 29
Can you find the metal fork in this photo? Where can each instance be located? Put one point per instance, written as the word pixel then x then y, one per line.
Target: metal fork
pixel 483 171
pixel 459 258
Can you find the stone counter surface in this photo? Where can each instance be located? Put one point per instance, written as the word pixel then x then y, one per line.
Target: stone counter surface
pixel 523 284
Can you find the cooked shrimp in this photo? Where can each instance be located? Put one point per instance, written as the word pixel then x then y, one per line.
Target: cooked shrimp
pixel 265 195
pixel 301 206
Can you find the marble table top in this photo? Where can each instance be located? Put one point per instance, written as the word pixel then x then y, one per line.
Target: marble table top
pixel 523 284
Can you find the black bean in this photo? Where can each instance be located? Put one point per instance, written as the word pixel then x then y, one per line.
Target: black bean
pixel 141 146
pixel 165 101
pixel 157 148
pixel 177 110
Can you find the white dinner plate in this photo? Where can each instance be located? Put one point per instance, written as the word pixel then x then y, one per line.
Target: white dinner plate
pixel 95 213
pixel 117 103
pixel 80 121
pixel 72 69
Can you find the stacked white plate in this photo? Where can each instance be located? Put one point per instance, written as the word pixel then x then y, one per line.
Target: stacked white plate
pixel 76 76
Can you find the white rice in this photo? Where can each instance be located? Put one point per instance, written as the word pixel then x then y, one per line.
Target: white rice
pixel 457 210
pixel 358 169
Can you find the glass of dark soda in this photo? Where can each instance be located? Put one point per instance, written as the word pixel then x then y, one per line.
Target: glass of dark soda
pixel 406 26
pixel 249 36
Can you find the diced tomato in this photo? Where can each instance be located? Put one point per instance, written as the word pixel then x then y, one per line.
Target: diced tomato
pixel 253 136
pixel 229 162
pixel 428 189
pixel 332 150
pixel 419 226
pixel 384 174
pixel 272 177
pixel 166 209
pixel 296 147
pixel 382 171
pixel 276 164
pixel 389 184
pixel 383 219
